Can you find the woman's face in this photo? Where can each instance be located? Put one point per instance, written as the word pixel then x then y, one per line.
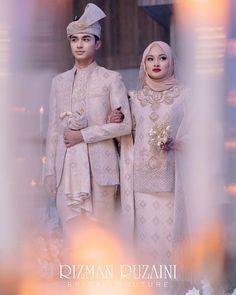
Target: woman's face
pixel 157 63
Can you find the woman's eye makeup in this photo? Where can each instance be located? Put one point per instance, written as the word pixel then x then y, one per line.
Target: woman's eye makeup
pixel 163 57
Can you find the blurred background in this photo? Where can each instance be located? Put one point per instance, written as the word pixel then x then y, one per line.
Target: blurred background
pixel 34 48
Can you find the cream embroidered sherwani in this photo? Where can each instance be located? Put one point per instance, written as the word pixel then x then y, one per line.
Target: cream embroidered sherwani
pixel 102 91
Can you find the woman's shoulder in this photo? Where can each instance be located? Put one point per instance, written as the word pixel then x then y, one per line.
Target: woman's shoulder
pixel 183 91
pixel 184 97
pixel 133 94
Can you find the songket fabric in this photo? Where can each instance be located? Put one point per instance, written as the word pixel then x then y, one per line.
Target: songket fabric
pixel 153 172
pixel 153 181
pixel 103 203
pixel 154 226
pixel 95 91
pixel 77 187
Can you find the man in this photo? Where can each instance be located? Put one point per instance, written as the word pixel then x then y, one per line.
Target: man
pixel 85 180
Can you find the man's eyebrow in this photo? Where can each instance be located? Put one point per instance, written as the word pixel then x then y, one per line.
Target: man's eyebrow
pixel 87 36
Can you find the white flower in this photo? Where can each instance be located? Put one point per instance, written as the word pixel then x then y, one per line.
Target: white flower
pixel 159 135
pixel 234 292
pixel 193 292
pixel 207 288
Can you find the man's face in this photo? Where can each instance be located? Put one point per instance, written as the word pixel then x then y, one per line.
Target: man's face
pixel 84 46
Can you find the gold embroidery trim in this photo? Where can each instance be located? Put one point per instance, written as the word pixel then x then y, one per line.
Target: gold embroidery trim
pixel 155 98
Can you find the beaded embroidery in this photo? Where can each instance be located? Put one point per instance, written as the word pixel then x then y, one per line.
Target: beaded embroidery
pixel 155 98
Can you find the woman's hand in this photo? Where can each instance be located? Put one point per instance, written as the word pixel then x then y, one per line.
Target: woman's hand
pixel 169 145
pixel 115 116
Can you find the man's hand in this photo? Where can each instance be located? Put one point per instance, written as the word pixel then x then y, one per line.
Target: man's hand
pixel 50 185
pixel 72 137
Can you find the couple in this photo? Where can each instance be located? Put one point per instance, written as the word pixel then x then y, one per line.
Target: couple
pixel 89 108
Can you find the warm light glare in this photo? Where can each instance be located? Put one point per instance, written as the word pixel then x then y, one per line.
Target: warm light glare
pixel 33 183
pixel 204 250
pixel 231 189
pixel 230 144
pixel 232 47
pixel 41 110
pixel 202 12
pixel 43 159
pixel 232 98
pixel 90 245
pixel 20 109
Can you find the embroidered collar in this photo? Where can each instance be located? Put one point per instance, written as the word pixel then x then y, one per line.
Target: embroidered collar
pixel 88 69
pixel 155 98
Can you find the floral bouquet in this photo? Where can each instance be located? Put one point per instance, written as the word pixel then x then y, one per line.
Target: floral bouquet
pixel 159 136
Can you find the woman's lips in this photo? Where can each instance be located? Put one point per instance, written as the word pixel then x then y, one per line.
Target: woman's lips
pixel 156 70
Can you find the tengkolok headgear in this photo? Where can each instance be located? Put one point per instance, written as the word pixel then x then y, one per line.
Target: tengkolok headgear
pixel 88 22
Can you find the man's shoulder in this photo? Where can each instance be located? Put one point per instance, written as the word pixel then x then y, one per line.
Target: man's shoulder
pixel 63 75
pixel 106 73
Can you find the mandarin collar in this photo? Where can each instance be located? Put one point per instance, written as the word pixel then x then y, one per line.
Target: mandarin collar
pixel 89 68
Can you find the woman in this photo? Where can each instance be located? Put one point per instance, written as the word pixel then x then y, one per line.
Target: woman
pixel 157 108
